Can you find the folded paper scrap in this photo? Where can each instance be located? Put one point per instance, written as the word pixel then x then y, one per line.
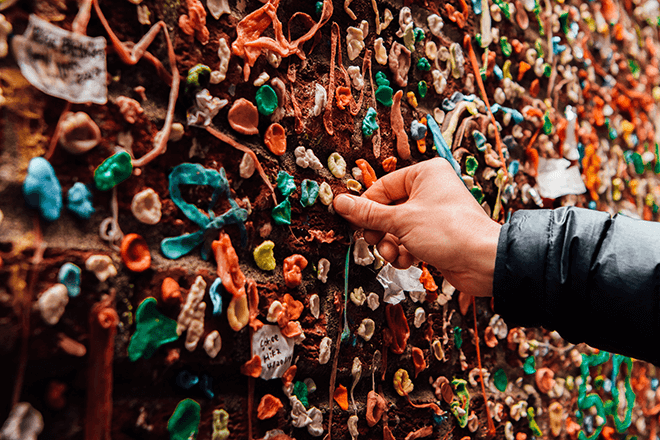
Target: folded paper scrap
pixel 557 178
pixel 275 351
pixel 62 64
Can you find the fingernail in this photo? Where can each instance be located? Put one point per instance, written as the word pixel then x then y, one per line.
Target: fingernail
pixel 344 204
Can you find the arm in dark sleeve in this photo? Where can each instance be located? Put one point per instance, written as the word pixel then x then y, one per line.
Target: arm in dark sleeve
pixel 591 277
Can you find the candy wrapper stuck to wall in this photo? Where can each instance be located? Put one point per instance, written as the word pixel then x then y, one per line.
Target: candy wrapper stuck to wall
pixel 62 64
pixel 275 351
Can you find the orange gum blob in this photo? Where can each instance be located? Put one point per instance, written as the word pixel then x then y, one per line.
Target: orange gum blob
pixel 368 173
pixel 398 325
pixel 341 397
pixel 243 117
pixel 252 368
pixel 268 407
pixel 135 253
pixel 275 139
pixel 170 291
pixel 293 266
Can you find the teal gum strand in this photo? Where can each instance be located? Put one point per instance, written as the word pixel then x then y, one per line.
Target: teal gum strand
pixel 370 123
pixel 592 400
pixel 209 223
pixel 441 146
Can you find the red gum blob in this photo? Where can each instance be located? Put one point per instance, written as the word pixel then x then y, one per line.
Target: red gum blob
pixel 376 406
pixel 341 397
pixel 293 266
pixel 464 302
pixel 344 97
pixel 389 164
pixel 427 279
pixel 233 280
pixel 253 301
pixel 275 139
pixel 103 320
pixel 268 407
pixel 489 337
pixel 243 117
pixel 195 22
pixel 289 375
pixel 252 368
pixel 398 325
pixel 170 291
pixel 368 173
pixel 418 360
pixel 249 42
pixel 396 119
pixel 135 253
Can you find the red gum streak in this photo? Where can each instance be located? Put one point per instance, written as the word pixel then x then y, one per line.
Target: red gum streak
pixel 229 140
pixel 480 83
pixel 327 115
pixel 103 320
pixel 491 425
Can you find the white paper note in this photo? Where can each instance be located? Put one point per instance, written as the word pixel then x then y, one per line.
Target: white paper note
pixel 62 64
pixel 275 351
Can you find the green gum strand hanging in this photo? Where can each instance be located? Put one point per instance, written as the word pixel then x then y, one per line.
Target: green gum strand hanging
pixel 300 391
pixel 422 89
pixel 504 7
pixel 547 124
pixel 537 14
pixel 458 338
pixel 500 380
pixel 184 422
pixel 462 401
pixel 370 123
pixel 608 408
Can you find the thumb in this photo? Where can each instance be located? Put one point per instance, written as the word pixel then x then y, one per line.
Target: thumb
pixel 365 213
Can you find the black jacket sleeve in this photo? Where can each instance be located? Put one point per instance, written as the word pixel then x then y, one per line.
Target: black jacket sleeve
pixel 591 277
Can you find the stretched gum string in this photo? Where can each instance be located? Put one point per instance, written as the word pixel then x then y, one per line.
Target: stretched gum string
pixel 491 424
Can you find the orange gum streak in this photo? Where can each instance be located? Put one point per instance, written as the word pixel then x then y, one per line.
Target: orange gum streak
pixel 491 425
pixel 226 139
pixel 480 83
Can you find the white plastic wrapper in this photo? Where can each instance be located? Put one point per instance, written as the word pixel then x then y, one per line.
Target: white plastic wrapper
pixel 62 64
pixel 396 281
pixel 275 351
pixel 557 178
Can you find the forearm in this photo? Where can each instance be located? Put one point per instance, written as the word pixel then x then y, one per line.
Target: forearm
pixel 593 278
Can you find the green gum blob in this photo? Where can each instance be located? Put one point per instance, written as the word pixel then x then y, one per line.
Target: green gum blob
pixel 384 95
pixel 381 79
pixel 458 338
pixel 309 192
pixel 547 124
pixel 423 64
pixel 500 380
pixel 282 213
pixel 112 171
pixel 477 193
pixel 300 391
pixel 153 329
pixel 370 123
pixel 422 89
pixel 266 99
pixel 264 257
pixel 507 48
pixel 419 34
pixel 184 422
pixel 462 401
pixel 220 423
pixel 471 165
pixel 285 183
pixel 529 367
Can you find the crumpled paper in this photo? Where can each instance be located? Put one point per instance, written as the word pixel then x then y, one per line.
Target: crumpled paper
pixel 397 281
pixel 557 178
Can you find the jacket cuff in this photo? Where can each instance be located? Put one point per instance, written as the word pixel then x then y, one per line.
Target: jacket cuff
pixel 519 278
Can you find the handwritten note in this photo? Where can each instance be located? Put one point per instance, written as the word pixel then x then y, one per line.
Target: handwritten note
pixel 62 64
pixel 275 351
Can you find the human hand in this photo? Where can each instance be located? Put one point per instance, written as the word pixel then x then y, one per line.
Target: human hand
pixel 425 212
